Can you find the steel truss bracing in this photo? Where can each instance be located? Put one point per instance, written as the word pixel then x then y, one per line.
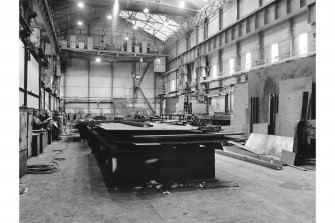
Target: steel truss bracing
pixel 209 9
pixel 47 16
pixel 161 26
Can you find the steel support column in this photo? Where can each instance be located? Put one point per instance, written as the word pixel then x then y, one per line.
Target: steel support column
pixel 220 18
pixel 238 10
pixel 260 48
pixel 39 86
pixel 291 37
pixel 238 57
pixel 88 86
pixel 26 56
pixel 112 88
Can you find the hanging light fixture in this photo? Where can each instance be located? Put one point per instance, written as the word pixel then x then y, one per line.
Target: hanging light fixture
pixel 80 23
pixel 141 60
pixel 126 38
pixel 135 27
pixel 98 59
pixel 182 4
pixel 81 5
pixel 146 9
pixel 109 17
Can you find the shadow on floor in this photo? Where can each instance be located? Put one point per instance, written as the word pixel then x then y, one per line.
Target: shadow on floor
pixel 73 138
pixel 104 174
pixel 309 164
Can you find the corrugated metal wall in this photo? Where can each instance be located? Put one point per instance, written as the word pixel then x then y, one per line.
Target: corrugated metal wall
pixel 213 26
pixel 249 46
pixel 106 87
pixel 230 14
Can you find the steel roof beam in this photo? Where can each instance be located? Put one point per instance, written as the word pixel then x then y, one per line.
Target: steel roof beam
pixel 160 8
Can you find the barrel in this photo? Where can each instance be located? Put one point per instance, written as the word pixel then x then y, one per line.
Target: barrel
pixel 36 144
pixel 60 124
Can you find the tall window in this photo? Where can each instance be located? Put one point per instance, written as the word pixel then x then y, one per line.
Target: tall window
pixel 248 61
pixel 172 84
pixel 215 71
pixel 274 52
pixel 194 75
pixel 203 72
pixel 302 44
pixel 231 66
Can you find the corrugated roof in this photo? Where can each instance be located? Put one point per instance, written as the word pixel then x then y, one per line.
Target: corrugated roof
pixel 158 25
pixel 199 4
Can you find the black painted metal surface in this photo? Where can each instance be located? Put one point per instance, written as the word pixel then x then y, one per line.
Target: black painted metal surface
pixel 138 155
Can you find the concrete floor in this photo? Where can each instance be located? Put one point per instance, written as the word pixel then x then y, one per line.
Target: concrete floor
pixel 78 193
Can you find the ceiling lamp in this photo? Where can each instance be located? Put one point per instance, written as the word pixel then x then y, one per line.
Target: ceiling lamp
pixel 109 17
pixel 98 60
pixel 135 27
pixel 126 38
pixel 81 5
pixel 80 23
pixel 141 60
pixel 146 10
pixel 182 4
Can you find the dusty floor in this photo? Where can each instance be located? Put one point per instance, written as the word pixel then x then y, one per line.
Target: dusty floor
pixel 78 193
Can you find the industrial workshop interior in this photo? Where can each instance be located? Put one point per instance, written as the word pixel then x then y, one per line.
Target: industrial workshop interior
pixel 167 111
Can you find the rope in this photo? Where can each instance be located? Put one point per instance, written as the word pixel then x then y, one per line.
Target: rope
pixel 48 168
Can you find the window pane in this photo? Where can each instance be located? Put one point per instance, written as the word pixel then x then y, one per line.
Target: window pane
pixel 203 72
pixel 303 44
pixel 231 66
pixel 173 85
pixel 274 52
pixel 21 66
pixel 33 75
pixel 215 71
pixel 247 61
pixel 194 76
pixel 21 98
pixel 46 102
pixel 33 102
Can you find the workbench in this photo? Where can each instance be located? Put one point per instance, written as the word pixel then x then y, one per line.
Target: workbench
pixel 161 152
